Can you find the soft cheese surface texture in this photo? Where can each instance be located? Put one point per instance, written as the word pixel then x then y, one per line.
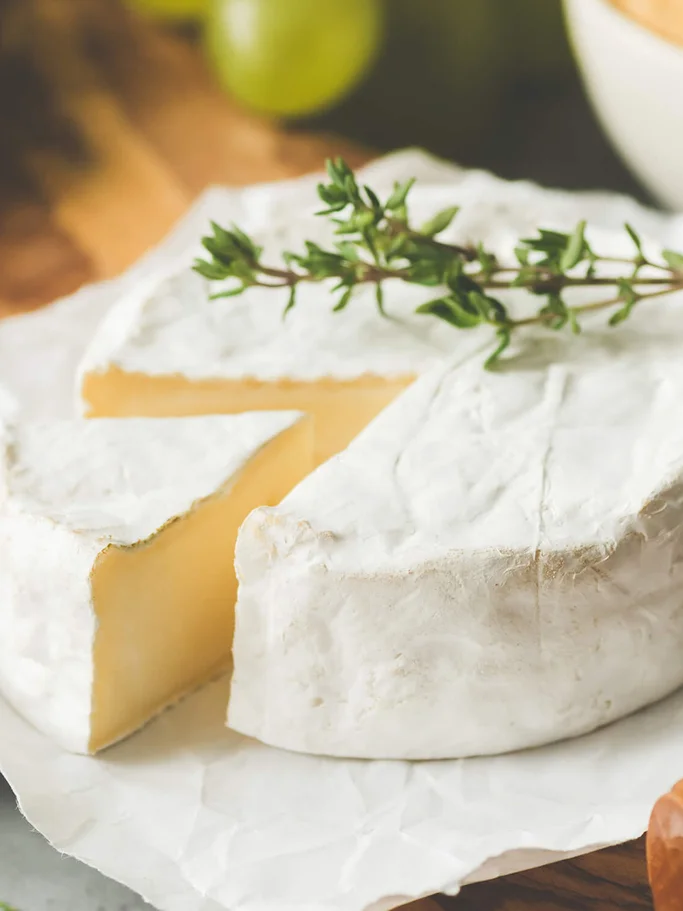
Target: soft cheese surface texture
pixel 116 580
pixel 495 563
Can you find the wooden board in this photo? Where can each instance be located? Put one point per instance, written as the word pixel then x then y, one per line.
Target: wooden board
pixel 156 131
pixel 611 880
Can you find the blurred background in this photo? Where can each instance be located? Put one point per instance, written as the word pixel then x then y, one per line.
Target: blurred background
pixel 115 114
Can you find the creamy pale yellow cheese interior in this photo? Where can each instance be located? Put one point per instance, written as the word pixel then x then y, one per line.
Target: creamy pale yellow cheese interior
pixel 165 607
pixel 340 409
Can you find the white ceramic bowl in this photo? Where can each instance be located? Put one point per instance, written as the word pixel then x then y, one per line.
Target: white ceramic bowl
pixel 635 82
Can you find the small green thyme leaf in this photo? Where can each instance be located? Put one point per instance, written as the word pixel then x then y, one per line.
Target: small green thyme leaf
pixel 425 273
pixel 363 220
pixel 637 242
pixel 214 271
pixel 673 260
pixel 348 250
pixel 374 201
pixel 379 297
pixel 220 253
pixel 522 254
pixel 573 253
pixel 497 311
pixel 554 237
pixel 332 195
pixel 480 303
pixel 220 234
pixel 574 322
pixel 343 301
pixel 504 337
pixel 229 292
pixel 592 263
pixel 399 195
pixel 331 168
pixel 245 243
pixel 331 210
pixel 459 282
pixel 487 262
pixel 352 190
pixel 553 242
pixel 629 297
pixel 291 302
pixel 451 311
pixel 395 247
pixel 627 292
pixel 346 227
pixel 525 278
pixel 619 316
pixel 439 222
pixel 555 312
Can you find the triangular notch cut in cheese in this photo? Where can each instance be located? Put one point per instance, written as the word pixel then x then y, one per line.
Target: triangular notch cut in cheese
pixel 117 585
pixel 170 350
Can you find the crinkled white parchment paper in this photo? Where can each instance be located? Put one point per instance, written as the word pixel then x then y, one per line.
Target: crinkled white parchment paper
pixel 193 816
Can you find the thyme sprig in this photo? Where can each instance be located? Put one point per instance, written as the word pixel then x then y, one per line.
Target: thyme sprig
pixel 378 242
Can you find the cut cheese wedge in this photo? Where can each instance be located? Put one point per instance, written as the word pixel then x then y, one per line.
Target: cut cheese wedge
pixel 496 562
pixel 117 585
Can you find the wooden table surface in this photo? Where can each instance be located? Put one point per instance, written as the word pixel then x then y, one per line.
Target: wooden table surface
pixel 153 132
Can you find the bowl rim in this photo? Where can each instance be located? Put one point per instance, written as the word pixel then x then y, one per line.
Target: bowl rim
pixel 628 24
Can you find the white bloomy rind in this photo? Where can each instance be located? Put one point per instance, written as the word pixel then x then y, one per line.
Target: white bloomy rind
pixel 68 491
pixel 495 563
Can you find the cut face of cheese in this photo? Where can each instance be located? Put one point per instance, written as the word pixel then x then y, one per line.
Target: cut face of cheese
pixel 340 410
pixel 496 562
pixel 117 585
